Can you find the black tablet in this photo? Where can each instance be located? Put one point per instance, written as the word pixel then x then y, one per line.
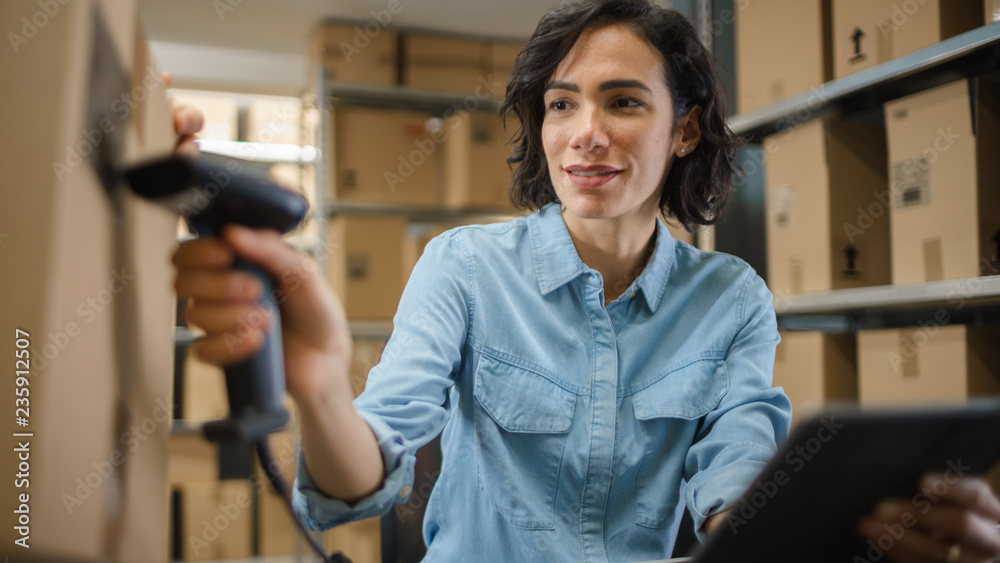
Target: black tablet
pixel 834 468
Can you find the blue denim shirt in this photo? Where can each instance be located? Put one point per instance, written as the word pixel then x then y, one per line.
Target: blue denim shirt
pixel 569 426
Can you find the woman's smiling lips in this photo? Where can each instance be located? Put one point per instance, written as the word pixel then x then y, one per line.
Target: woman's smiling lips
pixel 590 177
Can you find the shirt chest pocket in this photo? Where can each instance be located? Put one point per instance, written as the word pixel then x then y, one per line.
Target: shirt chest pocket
pixel 523 417
pixel 667 412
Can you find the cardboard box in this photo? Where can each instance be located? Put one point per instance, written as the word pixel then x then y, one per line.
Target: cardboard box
pixel 441 62
pixel 476 173
pixel 783 48
pixel 928 363
pixel 503 55
pixel 192 458
pixel 815 368
pixel 367 354
pixel 204 390
pixel 366 264
pixel 361 541
pixel 944 174
pixel 356 52
pixel 992 11
pixel 278 535
pixel 215 520
pixel 869 32
pixel 385 156
pixel 274 119
pixel 88 282
pixel 826 226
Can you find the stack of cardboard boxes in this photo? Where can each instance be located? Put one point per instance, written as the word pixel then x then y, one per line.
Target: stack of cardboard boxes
pixel 85 274
pixel 903 195
pixel 398 157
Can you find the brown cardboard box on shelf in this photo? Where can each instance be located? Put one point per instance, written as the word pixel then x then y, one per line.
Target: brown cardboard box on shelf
pixel 274 120
pixel 442 62
pixel 417 237
pixel 356 52
pixel 366 264
pixel 476 173
pixel 367 354
pixel 385 156
pixel 87 282
pixel 826 226
pixel 944 174
pixel 503 55
pixel 815 368
pixel 992 14
pixel 782 49
pixel 928 363
pixel 215 520
pixel 204 390
pixel 869 32
pixel 360 541
pixel 276 532
pixel 192 458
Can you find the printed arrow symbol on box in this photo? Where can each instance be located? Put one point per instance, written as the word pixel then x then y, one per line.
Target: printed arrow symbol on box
pixel 856 36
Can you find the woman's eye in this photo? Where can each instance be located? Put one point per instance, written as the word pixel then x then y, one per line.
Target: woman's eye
pixel 559 105
pixel 627 103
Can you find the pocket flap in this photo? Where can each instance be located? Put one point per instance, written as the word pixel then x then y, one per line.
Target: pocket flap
pixel 687 392
pixel 523 400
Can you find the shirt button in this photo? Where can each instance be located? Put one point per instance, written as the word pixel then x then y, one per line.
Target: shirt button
pixel 405 491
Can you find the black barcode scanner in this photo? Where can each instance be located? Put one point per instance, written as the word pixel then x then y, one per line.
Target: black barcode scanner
pixel 211 192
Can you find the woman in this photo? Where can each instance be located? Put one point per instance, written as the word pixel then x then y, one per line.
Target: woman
pixel 579 361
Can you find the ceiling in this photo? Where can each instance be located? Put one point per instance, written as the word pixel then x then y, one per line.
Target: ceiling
pixel 283 26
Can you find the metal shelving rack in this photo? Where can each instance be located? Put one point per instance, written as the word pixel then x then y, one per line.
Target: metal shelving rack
pixel 970 301
pixel 975 52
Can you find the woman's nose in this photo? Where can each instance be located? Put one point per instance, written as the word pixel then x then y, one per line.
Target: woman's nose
pixel 589 131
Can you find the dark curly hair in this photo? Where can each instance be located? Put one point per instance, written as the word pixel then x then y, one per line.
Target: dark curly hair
pixel 698 187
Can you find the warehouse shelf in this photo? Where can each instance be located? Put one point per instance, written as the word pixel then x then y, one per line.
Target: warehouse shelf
pixel 184 336
pixel 261 153
pixel 418 213
pixel 437 102
pixel 975 52
pixel 970 301
pixel 370 329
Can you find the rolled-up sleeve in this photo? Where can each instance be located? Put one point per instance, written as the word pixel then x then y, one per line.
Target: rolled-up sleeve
pixel 740 436
pixel 406 398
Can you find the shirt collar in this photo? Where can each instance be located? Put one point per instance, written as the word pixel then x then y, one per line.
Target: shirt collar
pixel 557 262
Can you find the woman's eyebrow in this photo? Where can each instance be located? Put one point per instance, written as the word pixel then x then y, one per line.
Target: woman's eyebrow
pixel 621 84
pixel 607 85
